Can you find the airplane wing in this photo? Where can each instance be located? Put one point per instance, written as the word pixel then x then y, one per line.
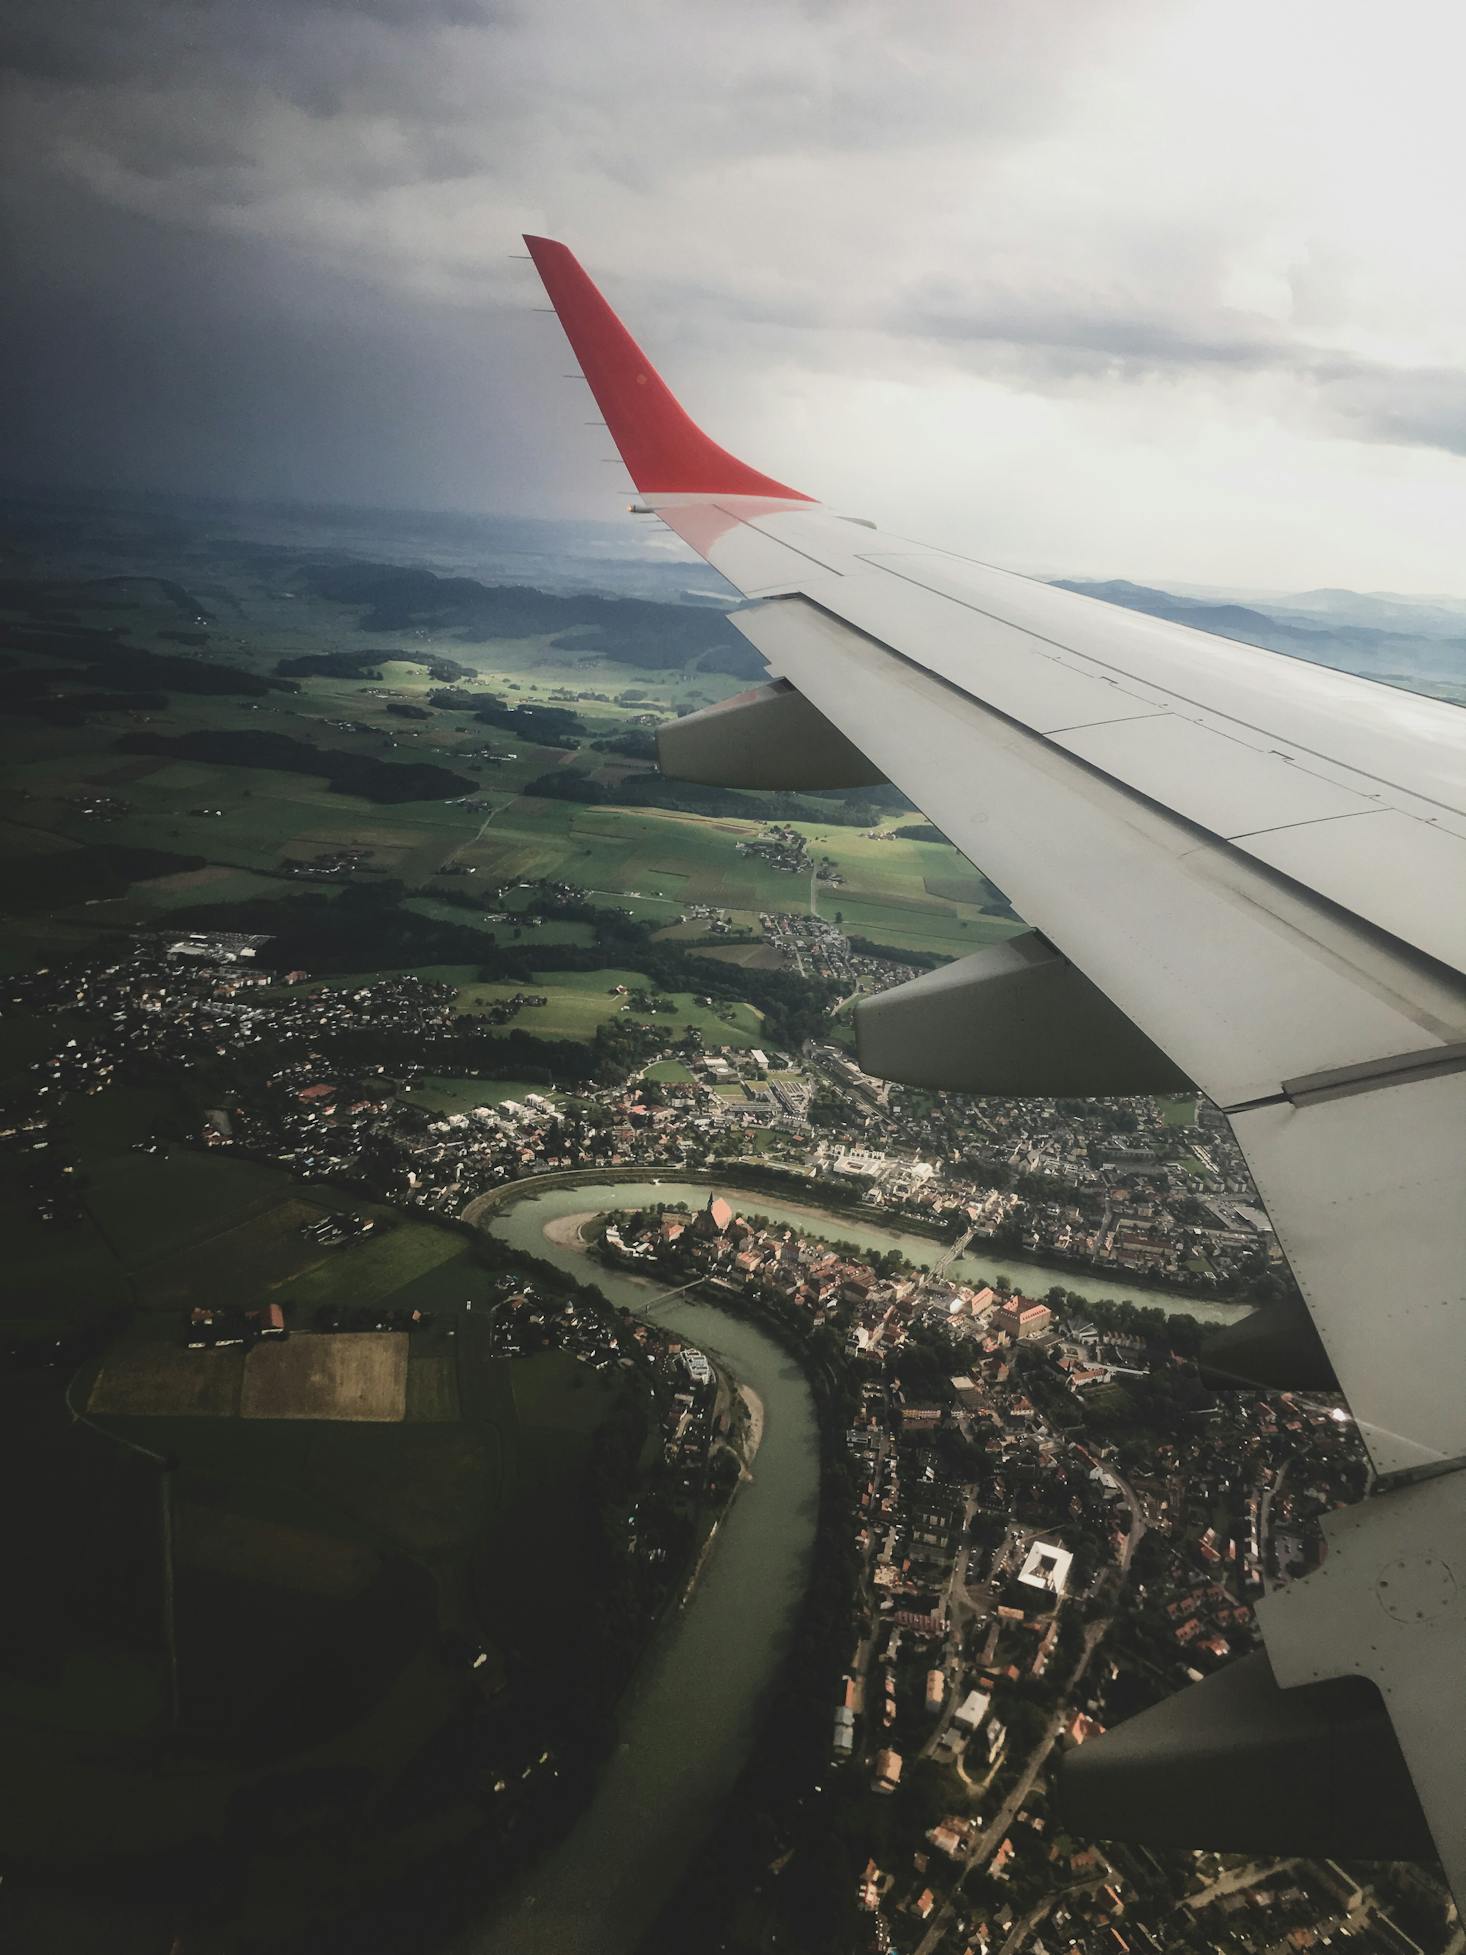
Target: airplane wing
pixel 1240 870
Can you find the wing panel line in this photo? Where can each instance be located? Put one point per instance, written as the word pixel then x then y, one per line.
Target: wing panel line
pixel 1121 673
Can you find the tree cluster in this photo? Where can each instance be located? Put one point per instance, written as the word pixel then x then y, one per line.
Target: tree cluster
pixel 347 773
pixel 841 807
pixel 368 664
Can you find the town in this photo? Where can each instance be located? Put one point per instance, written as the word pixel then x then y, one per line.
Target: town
pixel 1051 1525
pixel 1139 1189
pixel 1045 1520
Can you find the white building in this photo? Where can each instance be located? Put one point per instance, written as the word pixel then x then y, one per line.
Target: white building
pixel 859 1161
pixel 1046 1568
pixel 972 1710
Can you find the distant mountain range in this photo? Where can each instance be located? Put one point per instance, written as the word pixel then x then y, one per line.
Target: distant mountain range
pixel 1417 642
pixel 458 570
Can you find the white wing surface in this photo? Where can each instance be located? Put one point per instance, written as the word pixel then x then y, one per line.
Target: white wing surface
pixel 1261 863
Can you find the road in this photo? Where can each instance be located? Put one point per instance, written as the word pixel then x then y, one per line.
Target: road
pixel 454 853
pixel 860 1668
pixel 992 1836
pixel 117 1439
pixel 955 1603
pixel 1020 1931
pixel 166 1531
pixel 1132 1500
pixel 635 895
pixel 956 1607
pixel 1236 1877
pixel 1265 1515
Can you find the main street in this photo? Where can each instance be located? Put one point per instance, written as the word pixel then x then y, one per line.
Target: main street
pixel 957 1606
pixel 865 1649
pixel 996 1831
pixel 1265 1518
pixel 992 1836
pixel 1041 1910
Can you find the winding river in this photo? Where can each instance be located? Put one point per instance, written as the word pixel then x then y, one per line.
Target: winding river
pixel 690 1714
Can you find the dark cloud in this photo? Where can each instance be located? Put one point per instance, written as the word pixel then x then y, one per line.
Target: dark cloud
pixel 272 239
pixel 247 233
pixel 243 368
pixel 1409 407
pixel 1067 338
pixel 166 41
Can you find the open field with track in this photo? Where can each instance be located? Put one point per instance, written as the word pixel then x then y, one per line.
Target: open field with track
pixel 168 1380
pixel 360 1376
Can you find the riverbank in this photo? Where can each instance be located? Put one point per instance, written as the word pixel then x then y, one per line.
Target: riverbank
pixel 753 1432
pixel 701 1690
pixel 566 1231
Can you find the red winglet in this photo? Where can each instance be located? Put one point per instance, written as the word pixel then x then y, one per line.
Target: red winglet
pixel 666 452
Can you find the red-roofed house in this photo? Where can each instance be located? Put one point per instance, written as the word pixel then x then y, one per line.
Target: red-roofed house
pixel 1022 1319
pixel 712 1220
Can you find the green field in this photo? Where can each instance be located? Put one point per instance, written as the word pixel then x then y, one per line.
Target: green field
pixel 576 1003
pixel 914 894
pixel 669 1072
pixel 318 1570
pixel 917 895
pixel 162 1232
pixel 651 862
pixel 920 895
pixel 413 1265
pixel 744 956
pixel 579 1001
pixel 548 932
pixel 465 1095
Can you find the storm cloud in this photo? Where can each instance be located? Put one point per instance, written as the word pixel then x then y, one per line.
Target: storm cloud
pixel 956 264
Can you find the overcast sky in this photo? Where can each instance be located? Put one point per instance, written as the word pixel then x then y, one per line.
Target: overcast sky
pixel 1107 287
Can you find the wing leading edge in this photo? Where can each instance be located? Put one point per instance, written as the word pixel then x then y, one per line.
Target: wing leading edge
pixel 1260 864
